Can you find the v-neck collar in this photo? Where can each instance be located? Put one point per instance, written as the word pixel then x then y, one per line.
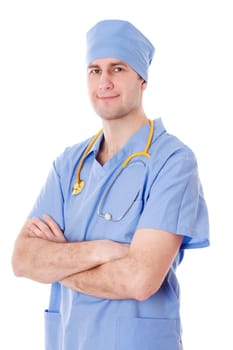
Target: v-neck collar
pixel 135 144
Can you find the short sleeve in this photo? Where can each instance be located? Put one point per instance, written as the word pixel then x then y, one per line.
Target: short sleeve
pixel 50 200
pixel 175 201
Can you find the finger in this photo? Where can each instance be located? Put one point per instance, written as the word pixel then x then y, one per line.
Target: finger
pixel 54 227
pixel 34 231
pixel 41 229
pixel 52 224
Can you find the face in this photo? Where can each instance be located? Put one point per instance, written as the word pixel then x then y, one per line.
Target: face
pixel 115 89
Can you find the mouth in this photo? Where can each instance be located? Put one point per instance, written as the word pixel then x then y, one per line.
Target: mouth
pixel 107 98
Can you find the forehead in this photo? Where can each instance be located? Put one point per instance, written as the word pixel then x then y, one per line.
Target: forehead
pixel 107 62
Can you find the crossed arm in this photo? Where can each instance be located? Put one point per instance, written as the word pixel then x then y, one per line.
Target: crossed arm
pixel 101 268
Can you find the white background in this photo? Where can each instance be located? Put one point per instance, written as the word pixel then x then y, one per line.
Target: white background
pixel 44 108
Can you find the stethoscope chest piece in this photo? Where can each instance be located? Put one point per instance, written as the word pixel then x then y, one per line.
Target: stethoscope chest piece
pixel 108 216
pixel 78 187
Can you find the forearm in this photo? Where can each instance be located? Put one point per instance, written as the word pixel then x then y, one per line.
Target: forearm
pixel 138 275
pixel 119 279
pixel 46 261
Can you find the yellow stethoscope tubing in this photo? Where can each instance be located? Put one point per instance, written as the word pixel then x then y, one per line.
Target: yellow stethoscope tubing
pixel 79 184
pixel 146 149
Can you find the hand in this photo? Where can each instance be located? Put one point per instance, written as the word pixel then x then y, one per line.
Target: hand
pixel 47 229
pixel 108 251
pixel 113 250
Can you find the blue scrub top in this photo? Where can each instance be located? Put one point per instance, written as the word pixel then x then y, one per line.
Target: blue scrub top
pixel 169 197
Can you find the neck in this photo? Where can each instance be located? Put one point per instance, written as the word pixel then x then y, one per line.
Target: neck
pixel 116 134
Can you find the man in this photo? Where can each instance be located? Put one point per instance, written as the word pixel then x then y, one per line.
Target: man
pixel 117 211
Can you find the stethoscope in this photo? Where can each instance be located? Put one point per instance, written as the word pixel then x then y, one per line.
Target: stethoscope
pixel 79 184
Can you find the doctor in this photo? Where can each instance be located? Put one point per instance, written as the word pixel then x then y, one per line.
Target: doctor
pixel 111 223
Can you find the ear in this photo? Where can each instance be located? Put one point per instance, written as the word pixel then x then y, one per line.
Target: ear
pixel 144 85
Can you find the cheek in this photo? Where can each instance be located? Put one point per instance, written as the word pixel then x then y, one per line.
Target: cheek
pixel 92 85
pixel 134 95
pixel 91 91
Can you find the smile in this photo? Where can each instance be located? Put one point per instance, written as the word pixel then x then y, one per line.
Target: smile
pixel 107 97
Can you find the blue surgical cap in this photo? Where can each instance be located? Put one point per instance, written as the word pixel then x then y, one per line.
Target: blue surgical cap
pixel 120 39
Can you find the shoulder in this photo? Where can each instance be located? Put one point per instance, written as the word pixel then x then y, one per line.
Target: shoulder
pixel 168 149
pixel 70 157
pixel 165 143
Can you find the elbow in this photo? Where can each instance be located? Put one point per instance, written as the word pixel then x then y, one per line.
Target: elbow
pixel 144 289
pixel 23 268
pixel 19 259
pixel 140 282
pixel 143 294
pixel 17 266
pixel 17 270
pixel 20 262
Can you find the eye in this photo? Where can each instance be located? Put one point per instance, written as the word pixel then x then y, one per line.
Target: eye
pixel 118 69
pixel 94 71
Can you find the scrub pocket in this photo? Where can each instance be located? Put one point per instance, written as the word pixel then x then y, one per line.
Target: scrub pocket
pixel 148 334
pixel 53 330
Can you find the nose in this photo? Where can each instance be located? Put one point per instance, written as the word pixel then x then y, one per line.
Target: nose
pixel 105 82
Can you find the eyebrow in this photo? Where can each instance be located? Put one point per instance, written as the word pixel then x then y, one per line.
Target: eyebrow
pixel 112 64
